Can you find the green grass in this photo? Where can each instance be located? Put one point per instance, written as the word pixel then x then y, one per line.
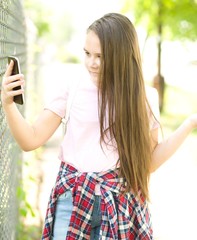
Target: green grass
pixel 29 233
pixel 178 105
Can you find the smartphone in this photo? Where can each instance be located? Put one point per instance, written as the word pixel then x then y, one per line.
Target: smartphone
pixel 19 99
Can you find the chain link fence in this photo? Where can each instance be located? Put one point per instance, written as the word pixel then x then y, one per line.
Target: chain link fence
pixel 12 42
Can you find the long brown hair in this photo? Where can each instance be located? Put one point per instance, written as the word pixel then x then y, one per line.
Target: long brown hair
pixel 122 94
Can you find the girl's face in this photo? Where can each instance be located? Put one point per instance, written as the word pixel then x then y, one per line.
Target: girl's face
pixel 92 50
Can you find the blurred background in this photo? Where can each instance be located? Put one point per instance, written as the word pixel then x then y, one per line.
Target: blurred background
pixel 48 37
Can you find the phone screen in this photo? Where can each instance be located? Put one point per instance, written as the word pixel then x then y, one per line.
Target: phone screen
pixel 19 99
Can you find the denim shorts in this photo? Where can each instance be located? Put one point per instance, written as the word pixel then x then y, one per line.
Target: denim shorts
pixel 63 213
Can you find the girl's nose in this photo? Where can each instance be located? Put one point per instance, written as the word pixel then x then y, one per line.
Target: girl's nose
pixel 94 62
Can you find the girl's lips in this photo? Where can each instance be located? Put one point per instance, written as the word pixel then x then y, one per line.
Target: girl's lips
pixel 93 73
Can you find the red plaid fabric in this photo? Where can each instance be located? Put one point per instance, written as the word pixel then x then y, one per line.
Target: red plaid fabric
pixel 123 216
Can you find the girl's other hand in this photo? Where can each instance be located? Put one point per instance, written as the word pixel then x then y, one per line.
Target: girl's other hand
pixel 193 120
pixel 8 83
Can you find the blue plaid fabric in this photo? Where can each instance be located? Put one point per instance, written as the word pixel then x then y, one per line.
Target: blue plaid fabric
pixel 123 216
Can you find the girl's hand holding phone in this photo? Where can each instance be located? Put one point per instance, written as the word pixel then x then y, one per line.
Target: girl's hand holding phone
pixel 12 86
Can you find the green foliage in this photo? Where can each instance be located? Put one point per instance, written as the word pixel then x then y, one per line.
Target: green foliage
pixel 24 209
pixel 24 230
pixel 24 206
pixel 55 27
pixel 29 233
pixel 181 19
pixel 178 18
pixel 39 14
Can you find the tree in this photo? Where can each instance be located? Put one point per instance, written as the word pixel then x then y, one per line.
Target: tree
pixel 39 14
pixel 166 19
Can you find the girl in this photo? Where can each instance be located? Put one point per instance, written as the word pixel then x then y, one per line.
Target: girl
pixel 111 144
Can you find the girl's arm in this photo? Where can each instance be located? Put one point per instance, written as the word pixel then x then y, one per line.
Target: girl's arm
pixel 28 136
pixel 164 150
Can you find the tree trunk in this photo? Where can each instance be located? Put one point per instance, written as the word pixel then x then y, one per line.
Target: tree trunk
pixel 158 81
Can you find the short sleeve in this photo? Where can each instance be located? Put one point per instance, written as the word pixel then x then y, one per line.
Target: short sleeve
pixel 57 100
pixel 153 100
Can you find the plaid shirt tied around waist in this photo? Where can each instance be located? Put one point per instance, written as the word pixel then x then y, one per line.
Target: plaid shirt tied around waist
pixel 123 216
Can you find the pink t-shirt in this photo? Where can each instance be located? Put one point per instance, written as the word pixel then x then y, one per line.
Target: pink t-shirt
pixel 81 144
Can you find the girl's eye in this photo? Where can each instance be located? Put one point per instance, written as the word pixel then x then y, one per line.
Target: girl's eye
pixel 87 53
